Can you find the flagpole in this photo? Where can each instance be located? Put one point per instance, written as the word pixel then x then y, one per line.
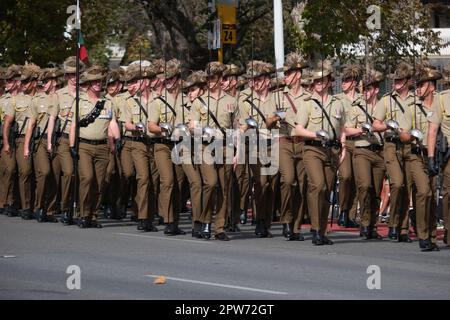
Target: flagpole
pixel 77 108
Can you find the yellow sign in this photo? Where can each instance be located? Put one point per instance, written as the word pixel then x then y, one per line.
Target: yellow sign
pixel 227 16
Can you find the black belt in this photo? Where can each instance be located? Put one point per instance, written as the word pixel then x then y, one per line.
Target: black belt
pixel 140 139
pixel 353 138
pixel 392 139
pixel 162 141
pixel 372 147
pixel 415 149
pixel 326 144
pixel 93 142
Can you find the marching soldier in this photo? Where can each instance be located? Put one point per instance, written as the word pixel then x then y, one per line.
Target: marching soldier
pixel 96 116
pixel 321 123
pixel 58 140
pixel 7 156
pixel 292 170
pixel 43 107
pixel 164 113
pixel 214 116
pixel 348 200
pixel 230 87
pixel 368 161
pixel 257 113
pixel 135 116
pixel 18 111
pixel 422 194
pixel 440 120
pixel 195 86
pixel 115 187
pixel 393 116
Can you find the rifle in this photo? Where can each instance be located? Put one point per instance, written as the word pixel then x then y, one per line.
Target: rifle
pixel 334 199
pixel 34 136
pixel 13 133
pixel 441 154
pixel 57 133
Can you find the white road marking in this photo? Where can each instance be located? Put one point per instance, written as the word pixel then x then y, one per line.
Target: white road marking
pixel 220 285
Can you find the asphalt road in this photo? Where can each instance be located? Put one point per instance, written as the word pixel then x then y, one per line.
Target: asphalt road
pixel 119 262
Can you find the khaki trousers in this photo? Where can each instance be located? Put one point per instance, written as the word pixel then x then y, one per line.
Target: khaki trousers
pixel 348 199
pixel 293 182
pixel 421 195
pixel 446 196
pixel 397 168
pixel 194 178
pixel 211 175
pixel 25 179
pixel 171 178
pixel 45 182
pixel 62 166
pixel 7 171
pixel 369 173
pixel 92 166
pixel 320 164
pixel 263 195
pixel 243 182
pixel 128 182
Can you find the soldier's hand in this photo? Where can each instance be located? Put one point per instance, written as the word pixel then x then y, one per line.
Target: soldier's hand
pixel 7 149
pixel 74 153
pixel 405 136
pixel 49 147
pixel 26 152
pixel 433 169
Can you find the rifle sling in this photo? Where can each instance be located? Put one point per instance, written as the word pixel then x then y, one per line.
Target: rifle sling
pixel 328 118
pixel 291 102
pixel 168 105
pixel 370 119
pixel 141 107
pixel 257 109
pixel 213 117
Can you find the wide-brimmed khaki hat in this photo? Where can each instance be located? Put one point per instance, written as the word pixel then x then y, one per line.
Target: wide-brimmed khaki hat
pixel 306 77
pixel 92 73
pixel 115 75
pixel 445 75
pixel 258 68
pixel 322 69
pixel 70 65
pixel 232 70
pixel 294 61
pixel 137 72
pixel 196 78
pixel 403 71
pixel 13 72
pixel 427 73
pixel 374 77
pixel 215 68
pixel 352 71
pixel 173 68
pixel 50 73
pixel 30 71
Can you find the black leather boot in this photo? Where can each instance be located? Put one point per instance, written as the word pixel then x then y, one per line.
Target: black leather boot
pixel 26 214
pixel 287 232
pixel 342 218
pixel 196 230
pixel 393 234
pixel 206 231
pixel 243 217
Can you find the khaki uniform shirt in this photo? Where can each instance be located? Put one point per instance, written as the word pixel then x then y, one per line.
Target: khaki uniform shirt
pixel 311 117
pixel 133 113
pixel 356 117
pixel 387 103
pixel 4 101
pixel 421 117
pixel 222 108
pixel 98 130
pixel 267 108
pixel 441 112
pixel 118 104
pixel 42 107
pixel 287 127
pixel 18 108
pixel 66 107
pixel 158 112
